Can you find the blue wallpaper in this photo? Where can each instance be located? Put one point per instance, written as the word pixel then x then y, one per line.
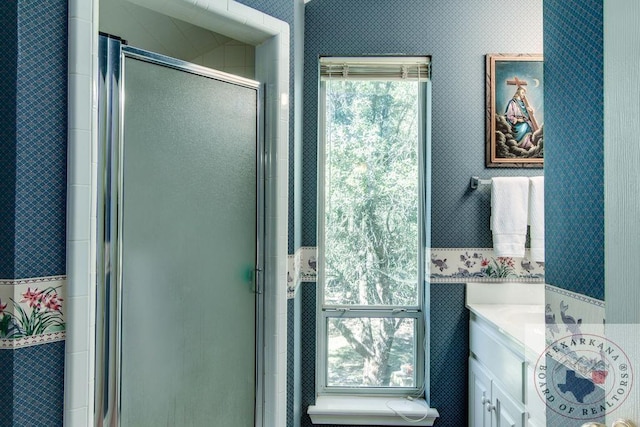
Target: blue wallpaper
pixel 34 139
pixel 307 350
pixel 574 200
pixel 281 9
pixel 33 161
pixel 38 385
pixel 41 157
pixel 6 383
pixel 36 376
pixel 449 354
pixel 457 34
pixel 8 60
pixel 291 350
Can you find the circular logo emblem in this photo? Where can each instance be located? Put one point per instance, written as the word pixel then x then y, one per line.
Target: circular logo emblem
pixel 583 376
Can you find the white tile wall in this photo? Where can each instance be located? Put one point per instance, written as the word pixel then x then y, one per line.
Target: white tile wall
pixel 78 375
pixel 242 23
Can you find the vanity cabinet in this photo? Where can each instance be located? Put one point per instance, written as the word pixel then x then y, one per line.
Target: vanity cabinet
pixel 506 338
pixel 497 378
pixel 490 405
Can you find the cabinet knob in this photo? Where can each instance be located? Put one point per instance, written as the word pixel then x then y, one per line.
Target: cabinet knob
pixel 623 423
pixel 485 400
pixel 490 407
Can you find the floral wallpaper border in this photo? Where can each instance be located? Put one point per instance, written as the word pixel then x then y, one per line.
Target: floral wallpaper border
pixel 301 268
pixel 32 311
pixel 460 265
pixel 446 265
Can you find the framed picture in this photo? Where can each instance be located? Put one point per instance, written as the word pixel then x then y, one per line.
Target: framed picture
pixel 515 111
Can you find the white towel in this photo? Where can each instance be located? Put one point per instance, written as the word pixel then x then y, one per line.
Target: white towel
pixel 536 217
pixel 509 212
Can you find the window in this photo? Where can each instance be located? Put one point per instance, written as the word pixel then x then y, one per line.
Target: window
pixel 372 225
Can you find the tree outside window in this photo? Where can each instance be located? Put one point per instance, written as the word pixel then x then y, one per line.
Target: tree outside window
pixel 370 244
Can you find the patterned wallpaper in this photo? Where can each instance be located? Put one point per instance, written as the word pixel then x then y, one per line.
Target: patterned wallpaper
pixel 38 393
pixel 575 169
pixel 41 153
pixel 34 139
pixel 33 71
pixel 457 34
pixel 449 353
pixel 8 61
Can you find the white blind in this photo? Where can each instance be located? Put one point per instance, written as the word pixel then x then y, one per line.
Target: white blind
pixel 375 68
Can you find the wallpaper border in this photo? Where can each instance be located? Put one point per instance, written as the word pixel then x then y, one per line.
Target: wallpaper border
pixel 461 265
pixel 301 268
pixel 446 265
pixel 32 311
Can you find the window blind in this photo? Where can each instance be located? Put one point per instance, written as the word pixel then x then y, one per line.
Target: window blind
pixel 375 68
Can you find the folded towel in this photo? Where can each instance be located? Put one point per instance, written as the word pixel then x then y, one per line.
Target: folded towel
pixel 509 212
pixel 536 217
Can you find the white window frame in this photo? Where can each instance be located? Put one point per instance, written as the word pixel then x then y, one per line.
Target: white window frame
pixel 419 312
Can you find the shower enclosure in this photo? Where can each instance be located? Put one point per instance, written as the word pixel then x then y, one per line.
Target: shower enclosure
pixel 179 260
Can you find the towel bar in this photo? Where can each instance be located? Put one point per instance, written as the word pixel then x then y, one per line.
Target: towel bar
pixel 477 181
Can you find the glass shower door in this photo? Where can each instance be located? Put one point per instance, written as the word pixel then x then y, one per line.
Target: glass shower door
pixel 188 249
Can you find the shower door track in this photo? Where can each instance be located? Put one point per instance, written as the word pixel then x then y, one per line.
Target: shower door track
pixel 108 328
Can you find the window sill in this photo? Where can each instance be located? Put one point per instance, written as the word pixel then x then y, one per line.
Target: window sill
pixel 372 410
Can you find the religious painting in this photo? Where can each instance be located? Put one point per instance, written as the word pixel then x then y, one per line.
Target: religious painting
pixel 515 111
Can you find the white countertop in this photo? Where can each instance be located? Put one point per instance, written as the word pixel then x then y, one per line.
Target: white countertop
pixel 515 309
pixel 523 323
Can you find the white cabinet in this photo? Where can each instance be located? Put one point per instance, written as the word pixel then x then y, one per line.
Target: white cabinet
pixel 508 412
pixel 479 395
pixel 497 378
pixel 489 405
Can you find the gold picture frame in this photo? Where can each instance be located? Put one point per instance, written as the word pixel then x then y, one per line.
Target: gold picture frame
pixel 515 111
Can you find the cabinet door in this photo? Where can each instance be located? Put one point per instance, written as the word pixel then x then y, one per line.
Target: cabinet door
pixel 507 413
pixel 479 395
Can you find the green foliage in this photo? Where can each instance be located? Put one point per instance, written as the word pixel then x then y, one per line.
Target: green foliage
pixel 371 214
pixel 7 329
pixel 43 313
pixel 500 268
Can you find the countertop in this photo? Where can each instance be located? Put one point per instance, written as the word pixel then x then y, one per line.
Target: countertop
pixel 514 309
